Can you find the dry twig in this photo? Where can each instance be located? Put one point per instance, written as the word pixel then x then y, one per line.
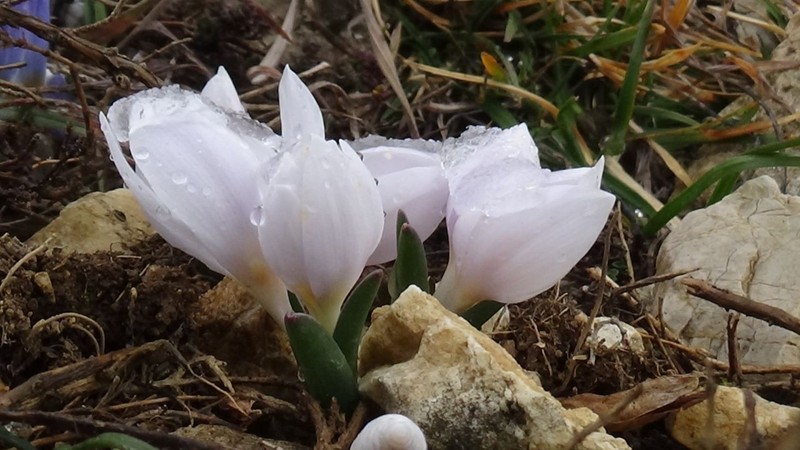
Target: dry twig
pixel 744 305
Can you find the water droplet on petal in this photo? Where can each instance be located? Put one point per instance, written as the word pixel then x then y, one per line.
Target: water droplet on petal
pixel 206 191
pixel 190 188
pixel 257 216
pixel 179 178
pixel 140 155
pixel 163 211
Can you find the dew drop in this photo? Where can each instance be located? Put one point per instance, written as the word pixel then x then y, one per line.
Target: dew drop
pixel 163 211
pixel 179 178
pixel 190 188
pixel 141 155
pixel 257 216
pixel 206 191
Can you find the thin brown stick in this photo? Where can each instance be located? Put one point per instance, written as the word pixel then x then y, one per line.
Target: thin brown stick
pixel 744 305
pixel 700 356
pixel 648 281
pixel 598 303
pixel 751 438
pixel 734 369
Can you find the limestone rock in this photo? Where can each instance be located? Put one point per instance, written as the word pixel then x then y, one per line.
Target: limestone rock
pixel 459 386
pixel 100 221
pixel 747 243
pixel 729 429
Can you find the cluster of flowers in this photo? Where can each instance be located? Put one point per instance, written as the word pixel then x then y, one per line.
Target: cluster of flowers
pixel 307 214
pixel 299 212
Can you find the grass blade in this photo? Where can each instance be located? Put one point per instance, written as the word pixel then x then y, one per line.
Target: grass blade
pixel 729 168
pixel 627 94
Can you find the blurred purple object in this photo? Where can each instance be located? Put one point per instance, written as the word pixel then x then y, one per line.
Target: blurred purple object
pixel 34 71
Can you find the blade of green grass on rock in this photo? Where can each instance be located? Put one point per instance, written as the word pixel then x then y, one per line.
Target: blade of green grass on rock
pixel 731 167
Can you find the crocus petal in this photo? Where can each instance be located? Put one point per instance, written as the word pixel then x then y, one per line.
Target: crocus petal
pixel 170 228
pixel 195 177
pixel 300 114
pixel 325 219
pixel 408 180
pixel 221 91
pixel 514 245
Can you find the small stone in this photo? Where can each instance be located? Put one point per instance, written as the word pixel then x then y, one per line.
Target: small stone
pixel 728 428
pixel 609 334
pixel 461 387
pixel 45 285
pixel 100 221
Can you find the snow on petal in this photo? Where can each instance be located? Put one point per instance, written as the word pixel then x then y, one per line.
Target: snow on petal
pixel 479 146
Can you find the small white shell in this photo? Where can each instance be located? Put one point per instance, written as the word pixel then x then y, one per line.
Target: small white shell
pixel 390 432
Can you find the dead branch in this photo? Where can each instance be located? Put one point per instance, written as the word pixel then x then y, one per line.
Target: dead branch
pixel 744 305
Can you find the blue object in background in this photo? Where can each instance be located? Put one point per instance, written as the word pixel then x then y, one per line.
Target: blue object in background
pixel 35 69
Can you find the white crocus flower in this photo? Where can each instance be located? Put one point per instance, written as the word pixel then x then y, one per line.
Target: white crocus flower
pixel 408 180
pixel 196 176
pixel 515 229
pixel 322 209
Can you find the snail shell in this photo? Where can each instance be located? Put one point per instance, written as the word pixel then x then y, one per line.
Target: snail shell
pixel 390 432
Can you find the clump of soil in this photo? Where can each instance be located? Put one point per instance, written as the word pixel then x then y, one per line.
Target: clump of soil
pixel 59 308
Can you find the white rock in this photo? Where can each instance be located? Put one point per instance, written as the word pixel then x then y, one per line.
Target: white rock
pixel 747 243
pixel 100 221
pixel 728 429
pixel 459 386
